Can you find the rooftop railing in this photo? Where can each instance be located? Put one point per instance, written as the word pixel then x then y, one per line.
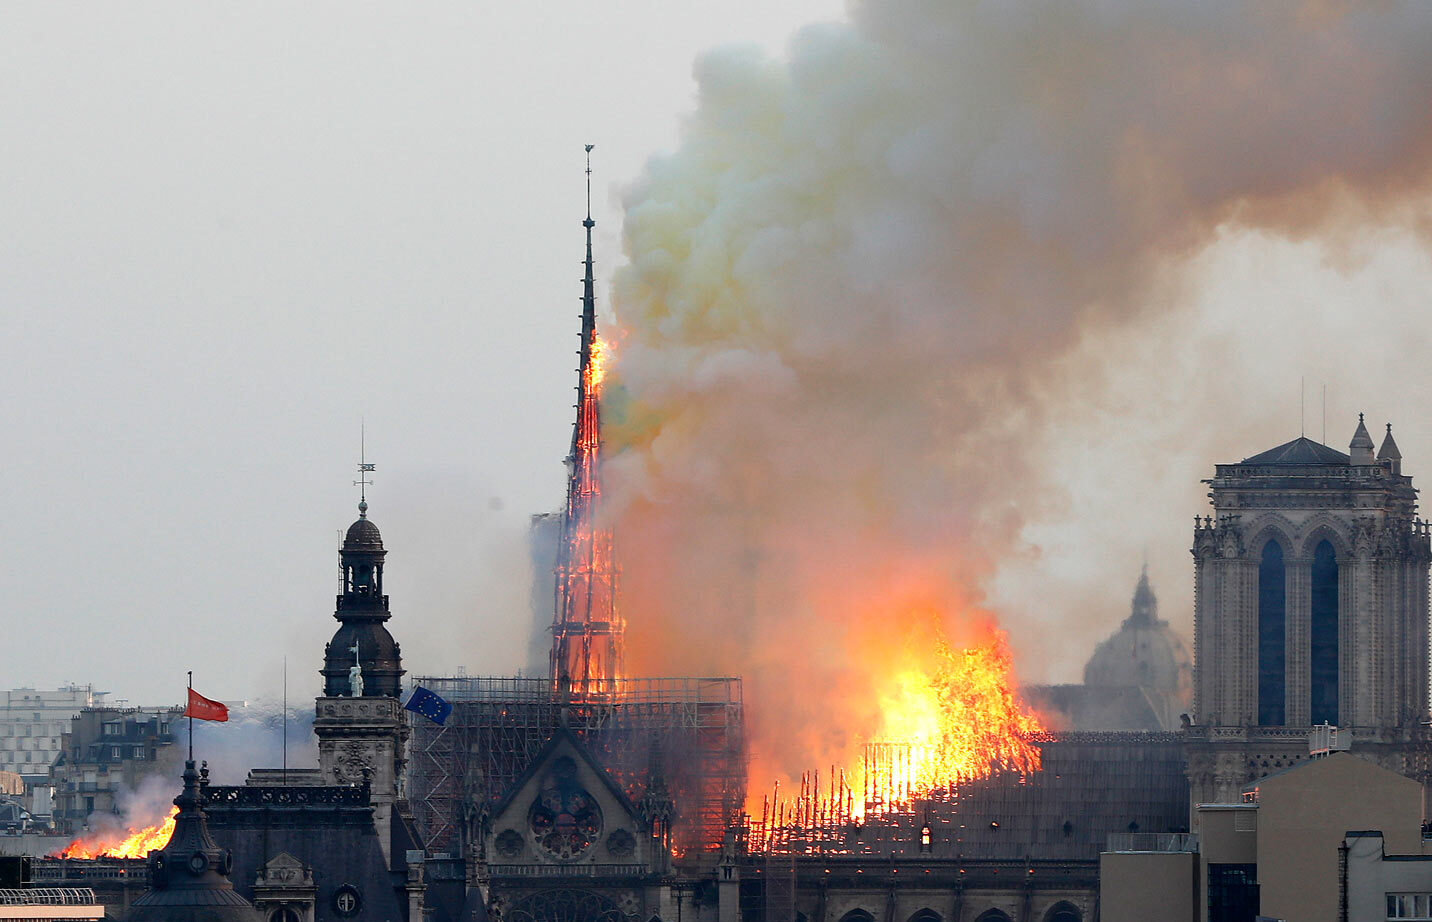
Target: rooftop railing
pixel 1152 842
pixel 48 896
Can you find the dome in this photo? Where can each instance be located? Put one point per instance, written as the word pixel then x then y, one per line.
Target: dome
pixel 363 536
pixel 189 876
pixel 1144 652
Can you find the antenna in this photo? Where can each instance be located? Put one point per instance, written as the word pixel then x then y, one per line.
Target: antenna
pixel 364 469
pixel 285 721
pixel 1325 412
pixel 1302 414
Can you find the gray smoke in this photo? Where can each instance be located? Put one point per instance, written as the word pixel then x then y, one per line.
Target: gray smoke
pixel 881 279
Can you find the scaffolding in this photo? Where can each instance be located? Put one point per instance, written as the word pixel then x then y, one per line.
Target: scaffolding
pixel 1090 785
pixel 691 730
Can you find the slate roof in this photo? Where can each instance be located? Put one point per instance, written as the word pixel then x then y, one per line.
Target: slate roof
pixel 1301 450
pixel 363 535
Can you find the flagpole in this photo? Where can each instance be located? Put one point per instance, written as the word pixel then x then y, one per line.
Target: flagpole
pixel 187 703
pixel 285 721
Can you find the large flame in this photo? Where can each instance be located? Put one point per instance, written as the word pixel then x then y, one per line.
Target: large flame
pixel 137 844
pixel 959 721
pixel 949 715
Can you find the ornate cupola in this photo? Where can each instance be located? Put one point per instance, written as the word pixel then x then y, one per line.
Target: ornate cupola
pixel 361 639
pixel 189 876
pixel 359 719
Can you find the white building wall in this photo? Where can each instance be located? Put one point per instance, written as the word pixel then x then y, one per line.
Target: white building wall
pixel 32 722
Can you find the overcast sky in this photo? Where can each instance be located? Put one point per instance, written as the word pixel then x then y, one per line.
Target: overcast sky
pixel 228 234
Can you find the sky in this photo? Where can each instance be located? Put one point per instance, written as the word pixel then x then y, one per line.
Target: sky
pixel 231 238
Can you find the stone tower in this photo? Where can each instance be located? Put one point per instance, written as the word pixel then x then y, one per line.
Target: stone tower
pixel 1311 606
pixel 360 725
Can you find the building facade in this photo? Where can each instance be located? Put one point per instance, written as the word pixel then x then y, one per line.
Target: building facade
pixel 1311 607
pixel 107 752
pixel 32 723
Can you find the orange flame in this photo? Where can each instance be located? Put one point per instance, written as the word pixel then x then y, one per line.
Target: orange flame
pixel 959 721
pixel 137 844
pixel 949 716
pixel 601 356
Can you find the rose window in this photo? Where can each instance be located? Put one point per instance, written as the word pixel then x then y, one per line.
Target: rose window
pixel 565 819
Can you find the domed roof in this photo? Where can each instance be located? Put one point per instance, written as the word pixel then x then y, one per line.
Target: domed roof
pixel 363 534
pixel 189 876
pixel 1145 651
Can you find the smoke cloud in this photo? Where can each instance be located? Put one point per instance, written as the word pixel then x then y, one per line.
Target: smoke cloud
pixel 253 737
pixel 871 272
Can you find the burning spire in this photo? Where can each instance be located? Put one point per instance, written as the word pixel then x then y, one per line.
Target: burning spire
pixel 586 628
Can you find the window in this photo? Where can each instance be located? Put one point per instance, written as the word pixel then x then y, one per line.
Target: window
pixel 116 752
pixel 112 728
pixel 1232 892
pixel 1324 641
pixel 139 753
pixel 1409 905
pixel 1271 661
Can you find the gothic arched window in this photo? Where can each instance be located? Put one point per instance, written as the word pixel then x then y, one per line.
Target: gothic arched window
pixel 1272 663
pixel 1324 624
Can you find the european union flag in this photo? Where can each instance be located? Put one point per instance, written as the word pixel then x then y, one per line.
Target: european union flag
pixel 429 704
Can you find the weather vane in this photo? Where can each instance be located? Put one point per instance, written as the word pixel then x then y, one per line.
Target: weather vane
pixel 364 469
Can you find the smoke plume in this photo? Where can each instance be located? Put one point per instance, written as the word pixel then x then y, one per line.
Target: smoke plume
pixel 853 289
pixel 253 737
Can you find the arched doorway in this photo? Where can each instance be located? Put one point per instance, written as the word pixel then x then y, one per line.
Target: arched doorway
pixel 992 915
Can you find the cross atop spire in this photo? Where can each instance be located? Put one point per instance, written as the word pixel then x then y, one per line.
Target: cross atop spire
pixel 588 224
pixel 364 469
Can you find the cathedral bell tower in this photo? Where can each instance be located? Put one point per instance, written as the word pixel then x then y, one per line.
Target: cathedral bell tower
pixel 1310 607
pixel 360 724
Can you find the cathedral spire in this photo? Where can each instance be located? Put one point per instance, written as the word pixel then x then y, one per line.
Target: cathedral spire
pixel 1360 448
pixel 586 629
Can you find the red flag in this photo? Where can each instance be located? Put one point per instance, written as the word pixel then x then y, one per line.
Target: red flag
pixel 201 708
